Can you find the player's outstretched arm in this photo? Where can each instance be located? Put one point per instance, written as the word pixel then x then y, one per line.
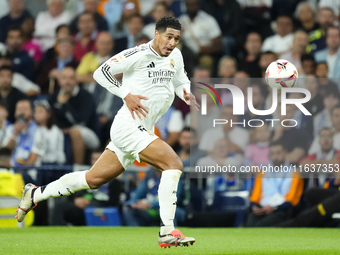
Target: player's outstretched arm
pixel 190 99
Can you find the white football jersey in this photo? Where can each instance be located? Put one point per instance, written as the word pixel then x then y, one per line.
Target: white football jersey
pixel 145 73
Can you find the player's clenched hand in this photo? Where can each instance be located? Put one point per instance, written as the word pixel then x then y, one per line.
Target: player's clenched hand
pixel 190 99
pixel 135 106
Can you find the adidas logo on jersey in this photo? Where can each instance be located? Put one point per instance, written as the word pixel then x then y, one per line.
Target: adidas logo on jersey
pixel 152 65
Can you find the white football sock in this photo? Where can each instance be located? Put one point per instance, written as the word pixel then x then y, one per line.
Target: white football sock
pixel 167 192
pixel 64 186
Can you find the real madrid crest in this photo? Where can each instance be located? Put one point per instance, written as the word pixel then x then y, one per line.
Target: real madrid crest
pixel 172 63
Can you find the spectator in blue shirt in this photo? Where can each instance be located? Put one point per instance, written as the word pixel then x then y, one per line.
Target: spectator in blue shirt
pixel 275 192
pixel 25 139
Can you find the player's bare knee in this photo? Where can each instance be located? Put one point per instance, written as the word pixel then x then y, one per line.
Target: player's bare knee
pixel 95 183
pixel 178 164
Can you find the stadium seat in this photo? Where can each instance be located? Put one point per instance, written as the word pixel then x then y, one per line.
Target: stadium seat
pixel 102 216
pixel 232 201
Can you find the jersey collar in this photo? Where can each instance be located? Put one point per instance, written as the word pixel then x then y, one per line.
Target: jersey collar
pixel 152 50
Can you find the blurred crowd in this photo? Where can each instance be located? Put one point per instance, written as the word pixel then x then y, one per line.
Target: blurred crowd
pixel 53 113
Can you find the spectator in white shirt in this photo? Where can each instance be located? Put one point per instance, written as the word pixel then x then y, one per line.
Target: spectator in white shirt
pixel 294 55
pixel 4 8
pixel 237 137
pixel 4 123
pixel 201 32
pixel 331 54
pixel 335 117
pixel 54 142
pixel 53 135
pixel 283 39
pixel 47 22
pixel 221 155
pixel 146 6
pixel 331 4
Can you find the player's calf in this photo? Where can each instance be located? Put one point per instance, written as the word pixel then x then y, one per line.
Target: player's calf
pixel 64 186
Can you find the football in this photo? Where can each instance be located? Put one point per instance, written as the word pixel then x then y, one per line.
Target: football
pixel 281 74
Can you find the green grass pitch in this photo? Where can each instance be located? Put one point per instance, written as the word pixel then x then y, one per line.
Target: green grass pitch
pixel 124 240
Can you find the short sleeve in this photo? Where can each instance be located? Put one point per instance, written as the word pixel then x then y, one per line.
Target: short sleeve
pixel 214 29
pixel 209 138
pixel 240 137
pixel 38 143
pixel 8 135
pixel 267 45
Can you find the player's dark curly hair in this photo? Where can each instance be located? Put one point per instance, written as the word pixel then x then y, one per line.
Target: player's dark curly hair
pixel 168 22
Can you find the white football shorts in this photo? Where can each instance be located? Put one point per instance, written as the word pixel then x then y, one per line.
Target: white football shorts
pixel 128 139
